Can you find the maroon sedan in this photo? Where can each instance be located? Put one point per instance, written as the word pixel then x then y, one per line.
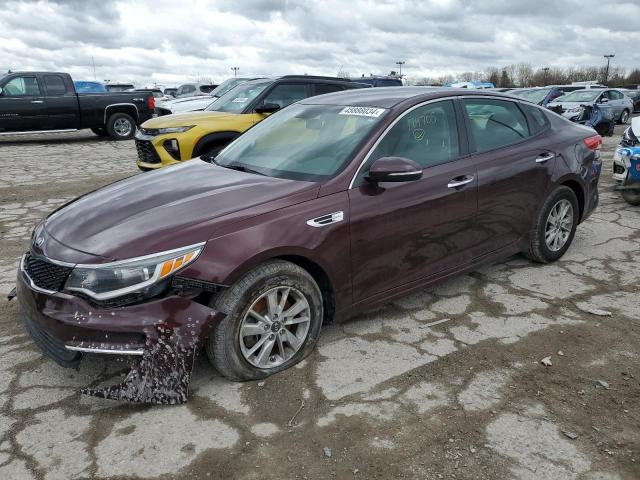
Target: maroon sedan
pixel 330 207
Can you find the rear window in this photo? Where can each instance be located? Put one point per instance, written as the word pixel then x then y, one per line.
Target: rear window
pixel 538 121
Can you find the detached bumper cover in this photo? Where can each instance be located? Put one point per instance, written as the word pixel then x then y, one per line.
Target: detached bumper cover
pixel 163 336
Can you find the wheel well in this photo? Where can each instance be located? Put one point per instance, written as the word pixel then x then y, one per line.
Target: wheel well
pixel 212 139
pixel 577 189
pixel 323 281
pixel 130 110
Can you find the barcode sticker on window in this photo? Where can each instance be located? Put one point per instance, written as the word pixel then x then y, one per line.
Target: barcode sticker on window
pixel 362 111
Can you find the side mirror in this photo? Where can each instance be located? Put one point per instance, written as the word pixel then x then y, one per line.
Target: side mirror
pixel 394 169
pixel 603 100
pixel 268 108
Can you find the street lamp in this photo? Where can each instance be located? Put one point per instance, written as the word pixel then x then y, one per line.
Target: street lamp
pixel 235 70
pixel 546 71
pixel 400 63
pixel 606 74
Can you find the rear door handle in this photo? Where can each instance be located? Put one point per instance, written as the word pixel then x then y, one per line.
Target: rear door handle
pixel 460 181
pixel 545 157
pixel 37 101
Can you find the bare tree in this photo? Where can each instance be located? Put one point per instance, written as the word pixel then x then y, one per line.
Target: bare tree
pixel 524 75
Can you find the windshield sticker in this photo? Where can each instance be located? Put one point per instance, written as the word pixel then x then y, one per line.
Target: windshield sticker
pixel 240 100
pixel 362 111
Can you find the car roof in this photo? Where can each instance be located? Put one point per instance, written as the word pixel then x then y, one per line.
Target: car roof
pixel 388 97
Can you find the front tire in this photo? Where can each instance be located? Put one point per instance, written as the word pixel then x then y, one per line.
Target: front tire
pixel 273 319
pixel 554 227
pixel 121 126
pixel 632 197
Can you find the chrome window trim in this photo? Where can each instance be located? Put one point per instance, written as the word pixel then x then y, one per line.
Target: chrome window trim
pixel 386 131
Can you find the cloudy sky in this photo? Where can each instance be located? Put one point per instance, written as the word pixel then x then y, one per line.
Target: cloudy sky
pixel 170 41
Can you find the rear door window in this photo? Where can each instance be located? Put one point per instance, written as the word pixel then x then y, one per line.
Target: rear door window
pixel 322 88
pixel 495 123
pixel 55 85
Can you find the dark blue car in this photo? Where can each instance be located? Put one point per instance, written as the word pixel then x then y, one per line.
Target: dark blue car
pixel 83 86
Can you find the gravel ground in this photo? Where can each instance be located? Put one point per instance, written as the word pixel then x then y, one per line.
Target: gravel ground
pixel 446 383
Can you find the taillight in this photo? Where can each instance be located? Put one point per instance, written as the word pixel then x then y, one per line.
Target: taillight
pixel 593 143
pixel 151 102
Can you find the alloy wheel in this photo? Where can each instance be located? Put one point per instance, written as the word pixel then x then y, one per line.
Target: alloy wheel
pixel 275 327
pixel 122 127
pixel 559 224
pixel 625 117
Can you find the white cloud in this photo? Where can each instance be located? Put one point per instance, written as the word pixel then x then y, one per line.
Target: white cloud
pixel 170 42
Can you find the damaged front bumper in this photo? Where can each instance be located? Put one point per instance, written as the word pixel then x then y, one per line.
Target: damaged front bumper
pixel 626 168
pixel 161 336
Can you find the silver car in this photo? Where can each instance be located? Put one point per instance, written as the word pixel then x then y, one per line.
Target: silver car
pixel 620 104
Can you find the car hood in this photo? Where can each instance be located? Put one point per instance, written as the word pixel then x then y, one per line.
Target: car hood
pixel 188 118
pixel 170 208
pixel 569 104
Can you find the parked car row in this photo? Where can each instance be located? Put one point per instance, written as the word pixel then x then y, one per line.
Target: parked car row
pixel 324 209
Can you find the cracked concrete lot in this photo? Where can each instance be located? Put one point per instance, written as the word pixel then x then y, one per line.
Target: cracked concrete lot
pixel 445 383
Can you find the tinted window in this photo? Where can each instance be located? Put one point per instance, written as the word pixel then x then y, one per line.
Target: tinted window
pixel 495 123
pixel 427 135
pixel 22 87
pixel 55 85
pixel 322 88
pixel 538 121
pixel 286 94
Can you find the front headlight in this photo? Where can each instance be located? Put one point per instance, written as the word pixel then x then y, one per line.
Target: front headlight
pixel 174 129
pixel 110 280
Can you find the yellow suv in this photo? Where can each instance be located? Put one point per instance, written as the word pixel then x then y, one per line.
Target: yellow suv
pixel 170 139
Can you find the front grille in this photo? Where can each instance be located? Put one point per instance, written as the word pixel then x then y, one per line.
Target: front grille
pixel 46 275
pixel 147 152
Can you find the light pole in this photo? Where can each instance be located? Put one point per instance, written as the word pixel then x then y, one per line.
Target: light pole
pixel 235 70
pixel 400 63
pixel 606 74
pixel 546 71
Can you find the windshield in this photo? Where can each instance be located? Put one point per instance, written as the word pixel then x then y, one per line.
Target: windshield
pixel 225 86
pixel 302 142
pixel 580 96
pixel 238 97
pixel 535 95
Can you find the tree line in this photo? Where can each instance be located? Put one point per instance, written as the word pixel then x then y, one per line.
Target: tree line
pixel 524 75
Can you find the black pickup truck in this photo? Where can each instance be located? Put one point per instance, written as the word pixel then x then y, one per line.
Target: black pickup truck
pixel 47 102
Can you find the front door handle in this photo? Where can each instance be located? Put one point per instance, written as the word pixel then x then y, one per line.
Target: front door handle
pixel 545 157
pixel 37 101
pixel 460 181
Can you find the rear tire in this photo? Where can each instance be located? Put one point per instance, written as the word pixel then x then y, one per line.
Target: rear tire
pixel 554 227
pixel 278 343
pixel 624 117
pixel 632 197
pixel 121 126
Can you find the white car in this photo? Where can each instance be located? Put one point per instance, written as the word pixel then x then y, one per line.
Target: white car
pixel 194 104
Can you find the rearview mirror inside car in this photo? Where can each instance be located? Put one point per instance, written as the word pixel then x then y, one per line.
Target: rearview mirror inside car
pixel 268 108
pixel 394 169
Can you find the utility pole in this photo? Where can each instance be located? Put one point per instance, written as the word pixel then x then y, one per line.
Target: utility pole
pixel 94 67
pixel 546 71
pixel 400 63
pixel 606 74
pixel 235 70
